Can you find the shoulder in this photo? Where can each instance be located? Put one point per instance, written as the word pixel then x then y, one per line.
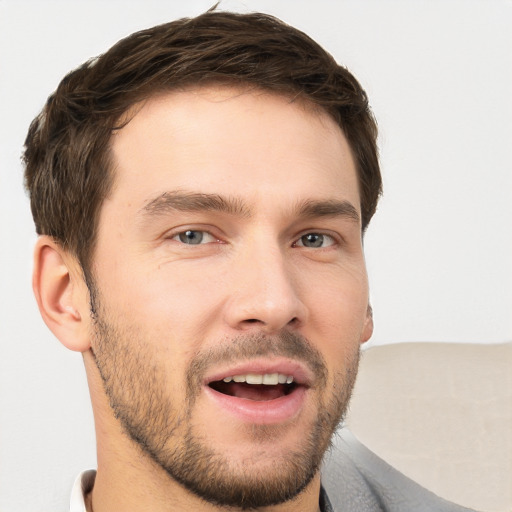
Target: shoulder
pixel 356 479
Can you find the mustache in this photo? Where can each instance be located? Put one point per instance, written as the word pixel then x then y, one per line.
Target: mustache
pixel 284 344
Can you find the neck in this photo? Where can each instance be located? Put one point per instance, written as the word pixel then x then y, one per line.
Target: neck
pixel 105 498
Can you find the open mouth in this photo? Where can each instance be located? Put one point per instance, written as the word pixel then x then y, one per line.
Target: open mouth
pixel 256 387
pixel 260 392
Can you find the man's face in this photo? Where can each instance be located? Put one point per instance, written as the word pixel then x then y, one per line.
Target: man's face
pixel 228 264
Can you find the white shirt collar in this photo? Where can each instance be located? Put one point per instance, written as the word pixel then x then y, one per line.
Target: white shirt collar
pixel 84 483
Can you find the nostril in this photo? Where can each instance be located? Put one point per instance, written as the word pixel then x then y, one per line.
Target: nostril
pixel 293 321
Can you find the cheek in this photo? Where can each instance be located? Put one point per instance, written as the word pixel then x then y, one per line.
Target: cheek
pixel 338 308
pixel 172 305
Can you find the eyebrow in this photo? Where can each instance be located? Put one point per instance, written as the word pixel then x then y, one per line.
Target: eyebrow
pixel 328 208
pixel 178 201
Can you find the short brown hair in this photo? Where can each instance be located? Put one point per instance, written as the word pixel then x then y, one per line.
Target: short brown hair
pixel 68 173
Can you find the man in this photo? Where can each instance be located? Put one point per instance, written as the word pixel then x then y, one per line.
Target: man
pixel 201 191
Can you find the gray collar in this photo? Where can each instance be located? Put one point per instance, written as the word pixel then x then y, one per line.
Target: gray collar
pixel 325 504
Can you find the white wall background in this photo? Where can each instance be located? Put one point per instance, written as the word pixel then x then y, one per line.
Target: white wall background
pixel 439 77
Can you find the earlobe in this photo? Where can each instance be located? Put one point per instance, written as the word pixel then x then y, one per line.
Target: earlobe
pixel 61 294
pixel 368 325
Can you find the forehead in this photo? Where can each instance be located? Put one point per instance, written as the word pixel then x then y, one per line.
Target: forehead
pixel 226 140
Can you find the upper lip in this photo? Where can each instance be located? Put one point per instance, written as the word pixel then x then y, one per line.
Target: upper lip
pixel 301 374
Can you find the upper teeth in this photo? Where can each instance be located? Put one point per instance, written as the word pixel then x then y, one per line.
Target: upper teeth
pixel 270 379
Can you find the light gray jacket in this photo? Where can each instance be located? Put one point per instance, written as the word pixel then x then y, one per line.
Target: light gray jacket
pixel 356 480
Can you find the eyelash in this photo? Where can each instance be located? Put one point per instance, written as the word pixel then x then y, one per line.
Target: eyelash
pixel 323 236
pixel 177 236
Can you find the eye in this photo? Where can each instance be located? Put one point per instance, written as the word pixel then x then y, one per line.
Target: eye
pixel 194 237
pixel 315 240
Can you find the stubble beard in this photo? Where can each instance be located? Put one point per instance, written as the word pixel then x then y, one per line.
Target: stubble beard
pixel 135 381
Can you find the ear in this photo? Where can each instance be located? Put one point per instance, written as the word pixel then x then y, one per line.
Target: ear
pixel 61 294
pixel 368 325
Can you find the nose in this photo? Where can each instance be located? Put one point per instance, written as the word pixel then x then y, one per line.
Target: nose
pixel 265 293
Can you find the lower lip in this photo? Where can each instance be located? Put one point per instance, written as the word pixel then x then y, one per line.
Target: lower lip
pixel 266 412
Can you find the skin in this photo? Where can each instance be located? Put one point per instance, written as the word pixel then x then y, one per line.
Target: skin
pixel 252 278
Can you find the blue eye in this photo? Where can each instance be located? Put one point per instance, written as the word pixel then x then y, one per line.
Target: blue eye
pixel 193 237
pixel 315 240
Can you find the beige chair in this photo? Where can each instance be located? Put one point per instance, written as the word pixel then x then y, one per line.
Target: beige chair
pixel 441 413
